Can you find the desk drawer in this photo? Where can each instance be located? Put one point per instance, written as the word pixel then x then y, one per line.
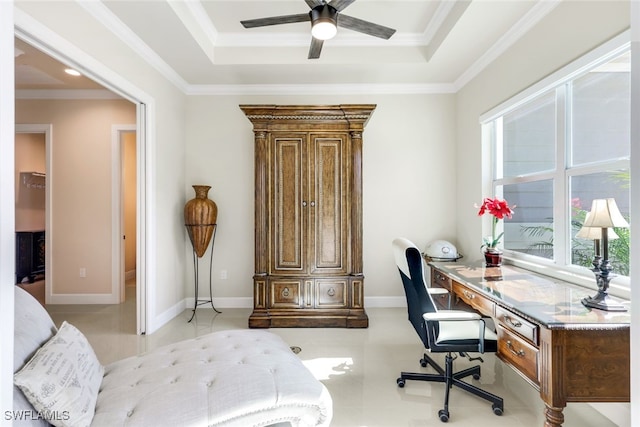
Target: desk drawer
pixel 440 280
pixel 517 324
pixel 518 352
pixel 474 299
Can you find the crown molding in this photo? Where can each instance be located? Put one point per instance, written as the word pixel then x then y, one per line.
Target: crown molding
pixel 103 15
pixel 195 12
pixel 101 94
pixel 302 39
pixel 197 23
pixel 322 89
pixel 520 28
pixel 439 17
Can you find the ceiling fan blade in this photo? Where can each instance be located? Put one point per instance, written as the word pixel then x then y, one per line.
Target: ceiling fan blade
pixel 313 3
pixel 315 48
pixel 276 20
pixel 365 27
pixel 340 5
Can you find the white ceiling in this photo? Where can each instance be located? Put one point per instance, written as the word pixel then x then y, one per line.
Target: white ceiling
pixel 202 47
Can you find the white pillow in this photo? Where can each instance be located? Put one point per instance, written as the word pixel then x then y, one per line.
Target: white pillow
pixel 62 379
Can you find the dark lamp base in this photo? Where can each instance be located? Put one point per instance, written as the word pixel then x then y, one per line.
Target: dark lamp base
pixel 602 301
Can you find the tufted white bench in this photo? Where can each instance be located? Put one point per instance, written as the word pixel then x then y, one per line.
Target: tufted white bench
pixel 231 378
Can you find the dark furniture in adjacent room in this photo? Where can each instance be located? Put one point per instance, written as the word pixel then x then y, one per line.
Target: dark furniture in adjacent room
pixel 30 255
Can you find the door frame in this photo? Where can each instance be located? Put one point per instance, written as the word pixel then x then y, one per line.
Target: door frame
pixel 117 206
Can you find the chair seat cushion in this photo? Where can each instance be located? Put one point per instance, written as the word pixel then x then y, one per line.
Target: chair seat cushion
pixel 463 330
pixel 229 378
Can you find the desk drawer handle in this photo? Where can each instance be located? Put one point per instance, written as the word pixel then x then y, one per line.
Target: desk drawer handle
pixel 519 353
pixel 514 323
pixel 468 294
pixel 331 292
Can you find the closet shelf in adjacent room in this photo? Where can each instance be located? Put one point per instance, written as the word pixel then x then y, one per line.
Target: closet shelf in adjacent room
pixel 35 180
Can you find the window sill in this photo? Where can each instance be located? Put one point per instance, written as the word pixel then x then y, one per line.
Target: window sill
pixel 619 286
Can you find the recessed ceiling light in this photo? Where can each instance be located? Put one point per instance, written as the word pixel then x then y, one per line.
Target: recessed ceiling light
pixel 72 72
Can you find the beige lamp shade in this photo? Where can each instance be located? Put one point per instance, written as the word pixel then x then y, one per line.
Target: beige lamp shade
pixel 594 233
pixel 605 213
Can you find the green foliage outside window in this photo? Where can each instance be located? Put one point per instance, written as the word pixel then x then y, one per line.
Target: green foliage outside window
pixel 582 250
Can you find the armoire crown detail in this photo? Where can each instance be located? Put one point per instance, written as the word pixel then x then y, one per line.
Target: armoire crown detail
pixel 308 215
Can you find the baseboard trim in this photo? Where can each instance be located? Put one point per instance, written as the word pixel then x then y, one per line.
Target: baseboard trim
pixel 247 302
pixel 385 302
pixel 223 302
pixel 82 299
pixel 163 318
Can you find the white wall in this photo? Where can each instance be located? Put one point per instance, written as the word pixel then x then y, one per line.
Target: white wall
pixel 408 180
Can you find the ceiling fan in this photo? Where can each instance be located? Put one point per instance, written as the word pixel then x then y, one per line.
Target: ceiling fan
pixel 325 17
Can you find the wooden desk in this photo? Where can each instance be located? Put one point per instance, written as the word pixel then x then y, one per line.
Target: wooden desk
pixel 568 352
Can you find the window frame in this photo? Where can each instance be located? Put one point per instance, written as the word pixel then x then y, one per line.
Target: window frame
pixel 491 124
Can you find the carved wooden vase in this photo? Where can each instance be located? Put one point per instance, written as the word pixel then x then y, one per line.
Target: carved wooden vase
pixel 200 215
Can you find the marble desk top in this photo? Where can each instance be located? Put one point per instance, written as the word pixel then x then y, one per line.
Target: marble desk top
pixel 542 299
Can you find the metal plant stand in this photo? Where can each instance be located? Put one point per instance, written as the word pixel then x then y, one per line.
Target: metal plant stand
pixel 197 301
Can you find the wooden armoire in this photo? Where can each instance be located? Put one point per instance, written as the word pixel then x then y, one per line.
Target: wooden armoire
pixel 308 215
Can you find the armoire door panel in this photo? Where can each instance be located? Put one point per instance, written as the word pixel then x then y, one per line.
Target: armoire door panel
pixel 289 204
pixel 329 210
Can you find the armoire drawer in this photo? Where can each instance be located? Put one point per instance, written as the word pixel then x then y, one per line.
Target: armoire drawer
pixel 284 293
pixel 331 293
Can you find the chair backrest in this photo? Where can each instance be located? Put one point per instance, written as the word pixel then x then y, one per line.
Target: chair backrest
pixel 411 267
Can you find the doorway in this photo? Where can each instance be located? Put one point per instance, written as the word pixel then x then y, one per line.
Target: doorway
pixel 83 274
pixel 124 139
pixel 32 143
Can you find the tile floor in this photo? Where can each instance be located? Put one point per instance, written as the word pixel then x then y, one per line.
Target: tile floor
pixel 358 366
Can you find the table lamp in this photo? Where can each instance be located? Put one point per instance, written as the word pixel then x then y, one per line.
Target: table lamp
pixel 604 214
pixel 595 233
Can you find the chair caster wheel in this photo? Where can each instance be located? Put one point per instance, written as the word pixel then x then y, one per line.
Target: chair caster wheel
pixel 443 415
pixel 476 376
pixel 423 363
pixel 497 409
pixel 400 382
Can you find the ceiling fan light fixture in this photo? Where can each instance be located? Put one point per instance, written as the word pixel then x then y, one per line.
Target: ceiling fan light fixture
pixel 324 30
pixel 324 24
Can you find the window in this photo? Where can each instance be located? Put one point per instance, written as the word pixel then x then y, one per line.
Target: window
pixel 558 149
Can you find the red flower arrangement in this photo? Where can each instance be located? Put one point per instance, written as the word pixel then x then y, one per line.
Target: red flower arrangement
pixel 499 209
